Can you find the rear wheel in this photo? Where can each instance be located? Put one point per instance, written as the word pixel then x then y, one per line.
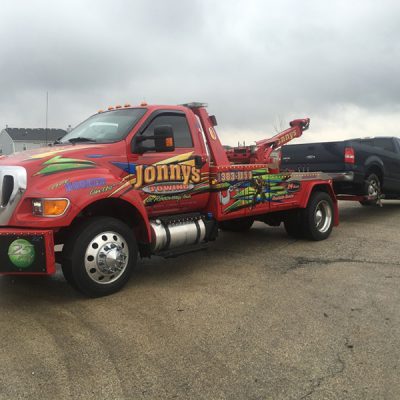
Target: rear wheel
pixel 372 188
pixel 99 256
pixel 237 225
pixel 318 216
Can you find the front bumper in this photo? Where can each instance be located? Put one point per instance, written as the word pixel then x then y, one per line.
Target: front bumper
pixel 26 252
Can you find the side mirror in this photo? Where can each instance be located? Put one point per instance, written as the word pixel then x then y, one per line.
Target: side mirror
pixel 163 141
pixel 164 138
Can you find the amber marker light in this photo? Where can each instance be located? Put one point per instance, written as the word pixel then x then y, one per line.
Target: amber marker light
pixel 118 106
pixel 49 207
pixel 110 108
pixel 127 105
pixel 143 104
pixel 169 142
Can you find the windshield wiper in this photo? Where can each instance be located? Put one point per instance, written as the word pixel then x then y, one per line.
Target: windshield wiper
pixel 81 139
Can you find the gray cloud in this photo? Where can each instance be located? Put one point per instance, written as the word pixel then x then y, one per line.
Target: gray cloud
pixel 252 61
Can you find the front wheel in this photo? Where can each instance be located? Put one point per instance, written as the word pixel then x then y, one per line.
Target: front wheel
pixel 99 256
pixel 318 216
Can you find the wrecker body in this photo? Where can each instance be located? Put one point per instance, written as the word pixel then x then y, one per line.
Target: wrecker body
pixel 147 180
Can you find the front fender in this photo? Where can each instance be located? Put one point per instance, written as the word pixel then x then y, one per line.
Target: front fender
pixel 94 188
pixel 125 195
pixel 133 197
pixel 324 186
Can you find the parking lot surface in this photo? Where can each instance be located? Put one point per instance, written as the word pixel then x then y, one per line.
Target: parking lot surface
pixel 255 316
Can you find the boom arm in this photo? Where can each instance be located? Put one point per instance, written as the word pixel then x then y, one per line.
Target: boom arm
pixel 261 152
pixel 266 146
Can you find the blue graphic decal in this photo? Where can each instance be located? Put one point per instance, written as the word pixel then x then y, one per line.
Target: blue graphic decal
pixel 84 184
pixel 96 156
pixel 127 167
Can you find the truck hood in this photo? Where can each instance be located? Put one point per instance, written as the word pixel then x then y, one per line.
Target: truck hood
pixel 67 160
pixel 60 172
pixel 48 152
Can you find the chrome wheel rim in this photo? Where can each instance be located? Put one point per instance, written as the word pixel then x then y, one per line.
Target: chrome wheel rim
pixel 106 257
pixel 323 216
pixel 373 188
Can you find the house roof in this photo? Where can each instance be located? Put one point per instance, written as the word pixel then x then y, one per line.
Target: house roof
pixel 37 134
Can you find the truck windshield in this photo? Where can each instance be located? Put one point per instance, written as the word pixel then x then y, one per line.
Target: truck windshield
pixel 106 127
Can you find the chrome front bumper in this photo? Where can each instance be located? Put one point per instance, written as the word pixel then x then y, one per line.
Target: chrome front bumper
pixel 13 181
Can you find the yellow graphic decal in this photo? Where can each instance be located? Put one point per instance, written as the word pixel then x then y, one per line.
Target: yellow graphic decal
pixel 212 133
pixel 176 159
pixel 53 152
pixel 180 171
pixel 166 173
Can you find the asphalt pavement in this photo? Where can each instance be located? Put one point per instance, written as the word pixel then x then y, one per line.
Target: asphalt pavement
pixel 255 316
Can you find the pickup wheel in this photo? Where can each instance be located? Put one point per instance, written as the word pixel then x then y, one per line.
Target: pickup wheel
pixel 318 216
pixel 294 225
pixel 99 256
pixel 237 225
pixel 372 188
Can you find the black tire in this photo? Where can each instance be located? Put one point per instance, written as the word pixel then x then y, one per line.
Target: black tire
pixel 372 186
pixel 294 225
pixel 237 225
pixel 318 216
pixel 99 256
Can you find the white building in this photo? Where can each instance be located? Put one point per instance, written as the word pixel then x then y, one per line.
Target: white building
pixel 18 139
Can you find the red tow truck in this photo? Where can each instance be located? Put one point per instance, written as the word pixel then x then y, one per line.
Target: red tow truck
pixel 146 180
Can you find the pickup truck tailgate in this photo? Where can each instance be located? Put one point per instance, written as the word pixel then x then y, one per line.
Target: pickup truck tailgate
pixel 328 157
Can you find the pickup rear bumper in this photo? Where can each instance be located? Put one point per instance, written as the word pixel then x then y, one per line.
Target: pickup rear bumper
pixel 26 252
pixel 347 182
pixel 342 176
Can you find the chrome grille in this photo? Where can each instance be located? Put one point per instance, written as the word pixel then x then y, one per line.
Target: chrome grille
pixel 7 189
pixel 12 186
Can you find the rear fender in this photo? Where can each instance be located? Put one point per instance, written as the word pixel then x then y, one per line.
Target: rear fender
pixel 323 187
pixel 374 162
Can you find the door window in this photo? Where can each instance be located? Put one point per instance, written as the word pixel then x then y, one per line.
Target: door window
pixel 180 127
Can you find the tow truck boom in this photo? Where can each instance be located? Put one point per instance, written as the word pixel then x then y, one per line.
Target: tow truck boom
pixel 261 152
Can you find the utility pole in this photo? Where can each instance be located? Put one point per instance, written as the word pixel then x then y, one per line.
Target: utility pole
pixel 47 115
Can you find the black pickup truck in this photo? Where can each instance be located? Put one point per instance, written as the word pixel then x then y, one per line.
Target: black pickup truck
pixel 369 166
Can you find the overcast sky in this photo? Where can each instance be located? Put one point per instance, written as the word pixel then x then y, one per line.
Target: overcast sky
pixel 258 64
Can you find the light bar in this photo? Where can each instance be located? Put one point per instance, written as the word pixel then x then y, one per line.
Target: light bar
pixel 194 104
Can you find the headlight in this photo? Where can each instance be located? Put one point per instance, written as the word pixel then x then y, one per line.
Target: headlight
pixel 49 207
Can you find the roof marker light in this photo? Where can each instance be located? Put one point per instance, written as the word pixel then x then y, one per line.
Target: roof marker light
pixel 118 106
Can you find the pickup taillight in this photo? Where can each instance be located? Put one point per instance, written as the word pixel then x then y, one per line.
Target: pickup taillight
pixel 349 156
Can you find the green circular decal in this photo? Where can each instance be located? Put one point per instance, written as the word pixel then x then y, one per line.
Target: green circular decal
pixel 21 253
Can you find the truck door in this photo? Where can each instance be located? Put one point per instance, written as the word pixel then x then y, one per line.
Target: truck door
pixel 391 161
pixel 175 181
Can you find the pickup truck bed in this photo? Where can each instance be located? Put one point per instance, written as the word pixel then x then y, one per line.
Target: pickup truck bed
pixel 352 164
